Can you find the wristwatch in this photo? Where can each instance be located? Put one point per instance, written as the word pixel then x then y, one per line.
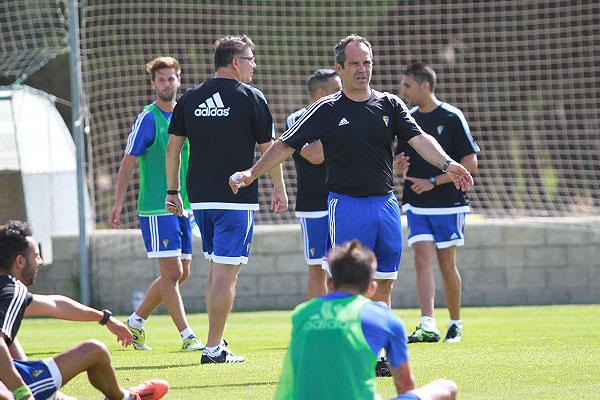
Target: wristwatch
pixel 433 181
pixel 106 317
pixel 172 191
pixel 445 166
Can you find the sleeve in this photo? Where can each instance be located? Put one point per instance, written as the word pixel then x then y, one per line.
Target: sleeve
pixel 264 130
pixel 404 124
pixel 396 349
pixel 308 128
pixel 177 124
pixel 384 329
pixel 13 301
pixel 463 141
pixel 142 135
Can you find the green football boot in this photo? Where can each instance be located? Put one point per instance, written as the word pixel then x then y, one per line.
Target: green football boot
pixel 420 335
pixel 139 338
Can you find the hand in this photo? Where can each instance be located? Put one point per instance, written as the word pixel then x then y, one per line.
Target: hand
pixel 240 179
pixel 279 201
pixel 113 217
pixel 120 331
pixel 460 176
pixel 420 185
pixel 401 163
pixel 174 204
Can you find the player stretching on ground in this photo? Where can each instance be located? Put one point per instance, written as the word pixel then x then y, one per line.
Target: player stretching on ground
pixel 168 238
pixel 311 197
pixel 22 380
pixel 435 209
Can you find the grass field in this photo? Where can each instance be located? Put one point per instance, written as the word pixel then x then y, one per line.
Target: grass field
pixel 549 352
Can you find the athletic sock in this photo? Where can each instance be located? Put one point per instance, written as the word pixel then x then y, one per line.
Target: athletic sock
pixel 213 351
pixel 135 321
pixel 186 333
pixel 428 324
pixel 456 322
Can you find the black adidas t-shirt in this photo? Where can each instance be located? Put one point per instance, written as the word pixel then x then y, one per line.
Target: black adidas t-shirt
pixel 312 191
pixel 14 299
pixel 448 126
pixel 223 120
pixel 358 140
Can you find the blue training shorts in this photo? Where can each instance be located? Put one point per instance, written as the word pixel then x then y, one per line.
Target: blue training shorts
pixel 407 396
pixel 226 234
pixel 167 236
pixel 314 235
pixel 375 222
pixel 445 230
pixel 43 377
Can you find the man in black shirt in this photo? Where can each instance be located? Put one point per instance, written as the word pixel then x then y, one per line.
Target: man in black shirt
pixel 435 209
pixel 19 262
pixel 311 197
pixel 223 119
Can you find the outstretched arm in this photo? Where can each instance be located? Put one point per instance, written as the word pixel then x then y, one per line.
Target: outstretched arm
pixel 62 307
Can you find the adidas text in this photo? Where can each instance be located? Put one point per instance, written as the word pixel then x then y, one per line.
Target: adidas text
pixel 212 112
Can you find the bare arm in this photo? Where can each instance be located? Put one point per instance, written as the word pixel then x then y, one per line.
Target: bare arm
pixel 403 378
pixel 125 171
pixel 279 199
pixel 468 161
pixel 16 351
pixel 431 151
pixel 173 166
pixel 8 373
pixel 313 152
pixel 276 154
pixel 62 307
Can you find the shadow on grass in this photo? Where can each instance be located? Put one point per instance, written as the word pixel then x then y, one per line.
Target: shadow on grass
pixel 140 367
pixel 228 385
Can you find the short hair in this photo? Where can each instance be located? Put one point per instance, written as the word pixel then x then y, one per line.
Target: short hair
pixel 340 48
pixel 352 264
pixel 160 63
pixel 230 46
pixel 421 72
pixel 13 241
pixel 319 80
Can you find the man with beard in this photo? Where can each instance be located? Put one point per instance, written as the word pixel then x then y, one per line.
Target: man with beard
pixel 167 237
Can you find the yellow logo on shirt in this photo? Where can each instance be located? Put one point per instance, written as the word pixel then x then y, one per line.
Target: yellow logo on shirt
pixel 386 119
pixel 440 128
pixel 165 242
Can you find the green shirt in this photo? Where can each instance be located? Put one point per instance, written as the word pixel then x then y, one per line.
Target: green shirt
pixel 153 177
pixel 328 356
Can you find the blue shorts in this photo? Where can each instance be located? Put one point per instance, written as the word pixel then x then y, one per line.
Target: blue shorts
pixel 375 222
pixel 407 396
pixel 314 235
pixel 226 234
pixel 445 230
pixel 43 377
pixel 167 236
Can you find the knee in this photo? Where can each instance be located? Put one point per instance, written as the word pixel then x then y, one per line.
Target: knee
pixel 173 273
pixel 95 349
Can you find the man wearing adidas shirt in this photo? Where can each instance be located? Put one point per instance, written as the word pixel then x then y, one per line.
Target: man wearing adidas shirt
pixel 435 210
pixel 357 127
pixel 223 119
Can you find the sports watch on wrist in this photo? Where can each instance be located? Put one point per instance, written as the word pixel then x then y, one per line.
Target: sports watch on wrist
pixel 172 191
pixel 445 166
pixel 106 317
pixel 433 181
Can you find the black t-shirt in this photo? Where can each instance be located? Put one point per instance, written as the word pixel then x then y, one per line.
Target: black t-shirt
pixel 223 120
pixel 14 299
pixel 448 126
pixel 358 140
pixel 312 191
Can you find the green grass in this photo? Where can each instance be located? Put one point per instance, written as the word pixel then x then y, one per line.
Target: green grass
pixel 550 352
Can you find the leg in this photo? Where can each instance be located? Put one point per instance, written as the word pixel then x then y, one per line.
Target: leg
pixel 452 281
pixel 440 389
pixel 220 294
pixel 171 271
pixel 425 280
pixel 384 291
pixel 5 394
pixel 91 356
pixel 317 281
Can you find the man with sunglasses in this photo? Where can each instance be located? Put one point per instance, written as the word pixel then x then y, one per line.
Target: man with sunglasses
pixel 223 119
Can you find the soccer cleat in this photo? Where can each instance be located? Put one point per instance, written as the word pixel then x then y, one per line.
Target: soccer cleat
pixel 139 338
pixel 420 335
pixel 150 390
pixel 382 368
pixel 225 356
pixel 192 343
pixel 454 334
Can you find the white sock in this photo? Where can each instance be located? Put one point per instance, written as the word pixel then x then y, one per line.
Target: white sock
pixel 428 324
pixel 135 321
pixel 186 333
pixel 456 322
pixel 213 351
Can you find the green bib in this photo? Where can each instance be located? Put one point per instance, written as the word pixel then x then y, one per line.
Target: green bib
pixel 153 177
pixel 328 357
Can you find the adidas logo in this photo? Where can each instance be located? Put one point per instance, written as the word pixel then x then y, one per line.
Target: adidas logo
pixel 454 236
pixel 343 121
pixel 212 107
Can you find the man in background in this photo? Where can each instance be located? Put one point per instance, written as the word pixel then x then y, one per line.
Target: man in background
pixel 435 209
pixel 311 196
pixel 168 237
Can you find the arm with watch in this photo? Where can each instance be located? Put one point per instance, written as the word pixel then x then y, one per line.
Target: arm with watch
pixel 62 307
